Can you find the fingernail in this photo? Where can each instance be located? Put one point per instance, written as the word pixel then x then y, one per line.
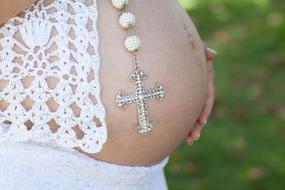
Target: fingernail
pixel 205 122
pixel 211 50
pixel 190 143
pixel 197 138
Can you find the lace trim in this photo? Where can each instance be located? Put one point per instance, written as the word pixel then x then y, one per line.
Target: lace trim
pixel 54 49
pixel 56 164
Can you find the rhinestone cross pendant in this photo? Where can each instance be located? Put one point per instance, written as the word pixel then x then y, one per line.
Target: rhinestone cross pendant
pixel 140 96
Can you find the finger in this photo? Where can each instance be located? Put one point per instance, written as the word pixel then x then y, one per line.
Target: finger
pixel 195 133
pixel 208 106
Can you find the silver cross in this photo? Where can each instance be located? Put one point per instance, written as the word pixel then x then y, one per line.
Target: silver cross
pixel 140 96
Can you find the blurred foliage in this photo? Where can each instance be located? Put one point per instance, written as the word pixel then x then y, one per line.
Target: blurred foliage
pixel 242 146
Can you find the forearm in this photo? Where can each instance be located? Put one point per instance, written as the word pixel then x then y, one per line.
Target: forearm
pixel 10 8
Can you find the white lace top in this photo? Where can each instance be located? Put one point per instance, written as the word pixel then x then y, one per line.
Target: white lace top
pixel 56 42
pixel 58 168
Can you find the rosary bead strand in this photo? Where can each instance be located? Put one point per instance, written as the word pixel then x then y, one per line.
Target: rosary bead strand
pixel 132 43
pixel 120 4
pixel 127 20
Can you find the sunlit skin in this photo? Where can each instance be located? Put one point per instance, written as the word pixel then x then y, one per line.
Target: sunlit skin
pixel 172 54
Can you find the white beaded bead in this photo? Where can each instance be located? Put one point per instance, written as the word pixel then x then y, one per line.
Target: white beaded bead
pixel 119 4
pixel 127 19
pixel 132 43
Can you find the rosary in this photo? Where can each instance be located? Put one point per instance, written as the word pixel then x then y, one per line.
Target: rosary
pixel 132 44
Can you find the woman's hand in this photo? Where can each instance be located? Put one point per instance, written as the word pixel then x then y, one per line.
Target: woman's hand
pixel 208 106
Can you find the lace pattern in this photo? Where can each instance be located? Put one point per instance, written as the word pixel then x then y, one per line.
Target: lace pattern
pixel 55 48
pixel 59 168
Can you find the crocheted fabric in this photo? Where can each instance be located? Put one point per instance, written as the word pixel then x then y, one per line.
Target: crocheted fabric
pixel 56 41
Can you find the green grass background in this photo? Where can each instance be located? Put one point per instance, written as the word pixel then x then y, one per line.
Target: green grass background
pixel 243 145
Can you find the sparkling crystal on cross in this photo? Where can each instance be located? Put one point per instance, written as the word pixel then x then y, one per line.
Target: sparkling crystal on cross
pixel 140 96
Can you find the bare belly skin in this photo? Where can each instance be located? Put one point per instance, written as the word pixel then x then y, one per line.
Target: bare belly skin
pixel 172 54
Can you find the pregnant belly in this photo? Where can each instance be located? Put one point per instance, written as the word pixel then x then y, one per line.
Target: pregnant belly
pixel 172 54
